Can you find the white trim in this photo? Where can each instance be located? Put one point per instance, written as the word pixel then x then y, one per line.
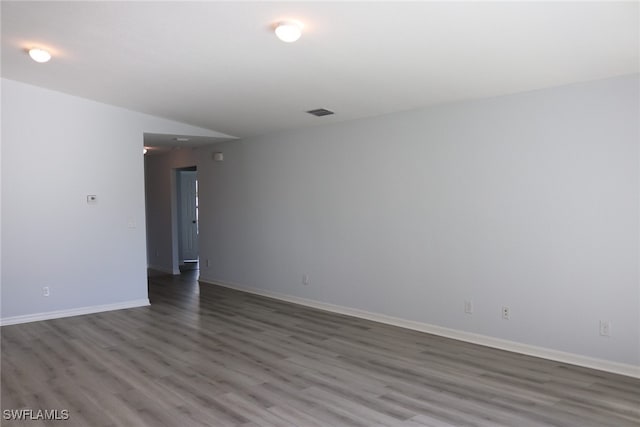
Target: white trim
pixel 487 341
pixel 73 312
pixel 163 269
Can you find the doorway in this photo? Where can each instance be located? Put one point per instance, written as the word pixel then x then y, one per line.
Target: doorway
pixel 187 216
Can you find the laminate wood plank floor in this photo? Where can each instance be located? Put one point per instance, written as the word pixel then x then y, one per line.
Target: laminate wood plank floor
pixel 203 355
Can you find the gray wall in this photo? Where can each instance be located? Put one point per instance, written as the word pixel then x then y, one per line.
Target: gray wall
pixel 56 150
pixel 161 190
pixel 529 201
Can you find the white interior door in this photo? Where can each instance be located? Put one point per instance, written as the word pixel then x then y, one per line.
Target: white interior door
pixel 189 215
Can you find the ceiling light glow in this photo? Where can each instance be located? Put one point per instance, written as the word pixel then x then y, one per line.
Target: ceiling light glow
pixel 39 55
pixel 144 150
pixel 289 31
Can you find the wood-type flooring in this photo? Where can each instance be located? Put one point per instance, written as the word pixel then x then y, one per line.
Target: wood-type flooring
pixel 203 355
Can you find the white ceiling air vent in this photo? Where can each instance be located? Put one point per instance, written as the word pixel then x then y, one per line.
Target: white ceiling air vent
pixel 319 112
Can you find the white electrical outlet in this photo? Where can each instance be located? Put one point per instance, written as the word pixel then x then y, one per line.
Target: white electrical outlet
pixel 45 291
pixel 305 279
pixel 605 328
pixel 468 306
pixel 506 312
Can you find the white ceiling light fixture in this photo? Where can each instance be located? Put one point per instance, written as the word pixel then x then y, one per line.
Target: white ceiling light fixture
pixel 39 55
pixel 289 31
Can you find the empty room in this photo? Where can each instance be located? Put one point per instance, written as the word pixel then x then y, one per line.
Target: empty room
pixel 320 214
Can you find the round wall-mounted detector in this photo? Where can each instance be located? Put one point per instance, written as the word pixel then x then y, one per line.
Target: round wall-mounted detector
pixel 39 55
pixel 289 31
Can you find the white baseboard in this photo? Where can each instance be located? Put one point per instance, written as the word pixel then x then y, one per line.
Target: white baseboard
pixel 485 340
pixel 73 312
pixel 163 269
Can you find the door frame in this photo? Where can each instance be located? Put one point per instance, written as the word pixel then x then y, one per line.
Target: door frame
pixel 175 230
pixel 188 249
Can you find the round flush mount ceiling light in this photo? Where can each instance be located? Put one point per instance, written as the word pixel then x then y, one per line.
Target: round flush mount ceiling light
pixel 289 31
pixel 39 55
